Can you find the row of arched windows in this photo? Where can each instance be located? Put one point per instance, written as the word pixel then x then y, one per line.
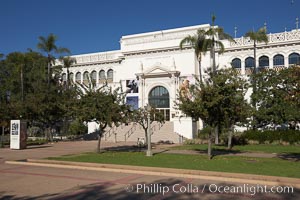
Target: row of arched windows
pixel 263 61
pixel 93 76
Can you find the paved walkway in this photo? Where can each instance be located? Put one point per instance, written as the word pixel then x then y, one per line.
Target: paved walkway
pixel 76 147
pixel 57 149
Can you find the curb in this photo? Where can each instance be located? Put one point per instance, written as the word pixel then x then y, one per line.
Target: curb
pixel 171 172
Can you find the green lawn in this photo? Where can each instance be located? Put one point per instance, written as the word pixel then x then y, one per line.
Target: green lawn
pixel 249 148
pixel 262 166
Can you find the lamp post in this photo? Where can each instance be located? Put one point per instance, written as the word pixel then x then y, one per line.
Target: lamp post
pixel 149 152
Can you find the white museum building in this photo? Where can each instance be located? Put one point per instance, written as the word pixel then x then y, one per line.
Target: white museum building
pixel 151 66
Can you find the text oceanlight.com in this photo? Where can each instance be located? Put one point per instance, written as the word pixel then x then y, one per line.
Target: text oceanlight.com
pixel 210 188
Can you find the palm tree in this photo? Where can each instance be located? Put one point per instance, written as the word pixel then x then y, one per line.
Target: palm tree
pixel 198 42
pixel 256 37
pixel 216 34
pixel 67 63
pixel 48 46
pixel 207 40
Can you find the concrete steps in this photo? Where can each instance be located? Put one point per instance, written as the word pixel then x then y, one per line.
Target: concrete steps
pixel 132 132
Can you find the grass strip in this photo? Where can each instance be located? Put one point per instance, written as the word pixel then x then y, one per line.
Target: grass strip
pixel 234 164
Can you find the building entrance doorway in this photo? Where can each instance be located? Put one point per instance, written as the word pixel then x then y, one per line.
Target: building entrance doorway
pixel 160 99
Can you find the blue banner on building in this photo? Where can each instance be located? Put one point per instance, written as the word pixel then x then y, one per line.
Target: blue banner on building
pixel 133 101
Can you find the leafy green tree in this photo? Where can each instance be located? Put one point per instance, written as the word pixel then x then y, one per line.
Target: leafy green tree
pixel 77 128
pixel 45 106
pixel 234 108
pixel 103 106
pixel 18 75
pixel 216 101
pixel 48 46
pixel 277 97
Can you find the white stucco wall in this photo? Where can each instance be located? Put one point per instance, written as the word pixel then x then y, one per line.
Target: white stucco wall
pixel 155 58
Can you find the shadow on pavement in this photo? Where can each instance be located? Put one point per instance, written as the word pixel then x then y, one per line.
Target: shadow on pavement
pixel 163 189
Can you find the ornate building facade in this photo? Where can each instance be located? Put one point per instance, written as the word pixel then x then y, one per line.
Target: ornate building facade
pixel 151 67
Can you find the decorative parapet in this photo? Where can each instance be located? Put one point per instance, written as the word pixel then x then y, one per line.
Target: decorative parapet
pixel 158 36
pixel 98 57
pixel 274 38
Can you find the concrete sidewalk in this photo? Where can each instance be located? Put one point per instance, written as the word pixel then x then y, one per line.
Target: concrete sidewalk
pixel 58 149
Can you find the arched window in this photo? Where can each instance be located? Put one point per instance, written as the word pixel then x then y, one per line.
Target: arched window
pixel 159 97
pixel 278 60
pixel 71 77
pixel 64 77
pixel 102 75
pixel 263 61
pixel 86 77
pixel 236 63
pixel 78 77
pixel 110 75
pixel 94 76
pixel 249 62
pixel 294 59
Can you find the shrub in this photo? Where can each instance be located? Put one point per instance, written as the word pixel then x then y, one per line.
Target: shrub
pixel 77 128
pixel 269 136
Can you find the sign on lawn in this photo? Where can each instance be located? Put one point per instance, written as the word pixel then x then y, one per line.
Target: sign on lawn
pixel 18 130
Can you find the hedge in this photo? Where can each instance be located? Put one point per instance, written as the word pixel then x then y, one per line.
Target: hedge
pixel 290 136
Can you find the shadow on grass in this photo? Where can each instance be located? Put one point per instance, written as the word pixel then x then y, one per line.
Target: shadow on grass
pixel 37 146
pixel 290 156
pixel 219 152
pixel 124 148
pixel 164 188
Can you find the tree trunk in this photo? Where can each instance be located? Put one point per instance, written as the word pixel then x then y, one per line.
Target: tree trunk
pixel 68 77
pixel 22 84
pixel 2 138
pixel 146 135
pixel 230 138
pixel 254 86
pixel 50 134
pixel 48 69
pixel 214 60
pixel 209 150
pixel 200 71
pixel 99 142
pixel 216 134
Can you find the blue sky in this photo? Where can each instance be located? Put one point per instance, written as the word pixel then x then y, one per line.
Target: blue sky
pixel 86 26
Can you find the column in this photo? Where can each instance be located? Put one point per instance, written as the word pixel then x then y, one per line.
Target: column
pixel 242 67
pixel 286 61
pixel 271 63
pixel 97 78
